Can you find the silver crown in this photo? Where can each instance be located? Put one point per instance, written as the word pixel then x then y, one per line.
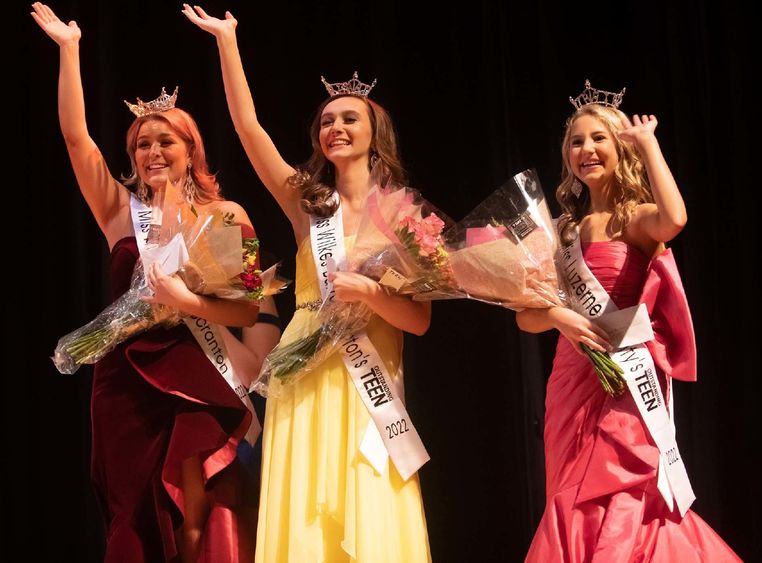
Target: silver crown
pixel 160 104
pixel 592 95
pixel 353 87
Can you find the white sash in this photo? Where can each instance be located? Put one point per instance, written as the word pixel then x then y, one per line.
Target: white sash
pixel 588 297
pixel 390 432
pixel 206 334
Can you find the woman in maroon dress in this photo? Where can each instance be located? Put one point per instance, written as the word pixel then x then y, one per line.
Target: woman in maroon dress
pixel 165 424
pixel 606 498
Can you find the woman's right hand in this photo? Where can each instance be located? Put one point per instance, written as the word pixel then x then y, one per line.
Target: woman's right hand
pixel 215 26
pixel 54 27
pixel 579 330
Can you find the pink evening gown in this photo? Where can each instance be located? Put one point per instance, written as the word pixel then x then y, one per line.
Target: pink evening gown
pixel 602 504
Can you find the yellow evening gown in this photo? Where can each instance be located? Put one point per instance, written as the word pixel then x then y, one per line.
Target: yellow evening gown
pixel 321 500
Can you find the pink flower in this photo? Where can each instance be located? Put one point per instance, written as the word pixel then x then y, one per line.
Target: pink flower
pixel 433 224
pixel 427 243
pixel 409 223
pixel 427 234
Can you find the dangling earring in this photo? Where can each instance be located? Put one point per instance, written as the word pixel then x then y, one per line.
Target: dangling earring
pixel 189 188
pixel 374 158
pixel 576 188
pixel 142 192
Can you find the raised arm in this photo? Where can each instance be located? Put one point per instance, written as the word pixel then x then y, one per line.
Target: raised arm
pixel 264 156
pixel 106 198
pixel 663 221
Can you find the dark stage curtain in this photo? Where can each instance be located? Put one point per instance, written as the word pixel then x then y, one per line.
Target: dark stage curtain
pixel 479 91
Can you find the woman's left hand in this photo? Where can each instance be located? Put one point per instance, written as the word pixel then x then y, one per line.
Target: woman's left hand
pixel 640 130
pixel 351 287
pixel 167 290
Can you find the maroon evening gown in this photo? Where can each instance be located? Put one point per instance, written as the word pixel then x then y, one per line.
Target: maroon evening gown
pixel 156 401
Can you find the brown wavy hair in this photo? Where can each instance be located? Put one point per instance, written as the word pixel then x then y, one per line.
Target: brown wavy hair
pixel 631 185
pixel 316 178
pixel 207 188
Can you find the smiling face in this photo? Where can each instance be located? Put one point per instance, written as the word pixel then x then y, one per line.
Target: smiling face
pixel 345 131
pixel 592 152
pixel 160 154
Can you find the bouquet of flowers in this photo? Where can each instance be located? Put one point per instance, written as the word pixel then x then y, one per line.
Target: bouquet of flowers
pixel 400 243
pixel 206 250
pixel 503 252
pixel 399 229
pixel 289 361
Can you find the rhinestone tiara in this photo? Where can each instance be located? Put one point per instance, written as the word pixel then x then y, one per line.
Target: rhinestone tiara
pixel 592 95
pixel 160 104
pixel 354 87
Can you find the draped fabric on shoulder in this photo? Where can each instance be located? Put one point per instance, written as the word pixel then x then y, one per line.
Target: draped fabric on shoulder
pixel 602 504
pixel 156 402
pixel 321 501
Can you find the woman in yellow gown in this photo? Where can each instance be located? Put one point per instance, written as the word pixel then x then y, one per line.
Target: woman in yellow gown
pixel 321 500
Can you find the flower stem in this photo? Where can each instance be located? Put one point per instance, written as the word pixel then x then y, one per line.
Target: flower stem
pixel 608 371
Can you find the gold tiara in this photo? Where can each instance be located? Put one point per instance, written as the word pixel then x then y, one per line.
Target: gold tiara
pixel 353 87
pixel 592 95
pixel 162 103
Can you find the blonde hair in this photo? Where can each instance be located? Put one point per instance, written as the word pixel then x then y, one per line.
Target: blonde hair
pixel 630 186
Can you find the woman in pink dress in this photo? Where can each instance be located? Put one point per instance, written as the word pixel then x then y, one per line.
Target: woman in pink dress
pixel 605 497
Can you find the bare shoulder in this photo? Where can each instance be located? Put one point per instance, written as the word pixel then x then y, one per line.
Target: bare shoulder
pixel 231 207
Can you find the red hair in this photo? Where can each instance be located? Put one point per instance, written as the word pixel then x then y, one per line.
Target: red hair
pixel 186 128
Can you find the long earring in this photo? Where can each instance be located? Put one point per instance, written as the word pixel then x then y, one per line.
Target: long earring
pixel 142 192
pixel 576 188
pixel 374 158
pixel 189 188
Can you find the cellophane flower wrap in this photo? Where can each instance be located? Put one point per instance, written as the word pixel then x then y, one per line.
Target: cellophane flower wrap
pixel 505 252
pixel 502 252
pixel 291 360
pixel 400 243
pixel 205 249
pixel 398 228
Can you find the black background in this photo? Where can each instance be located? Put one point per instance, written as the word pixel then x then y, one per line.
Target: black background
pixel 479 91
